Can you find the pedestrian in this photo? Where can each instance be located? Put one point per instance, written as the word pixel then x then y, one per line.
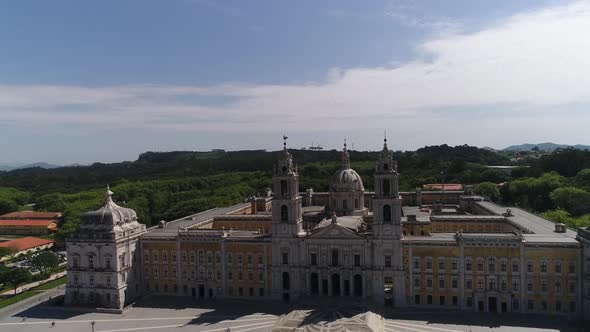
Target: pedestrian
pixel 52 324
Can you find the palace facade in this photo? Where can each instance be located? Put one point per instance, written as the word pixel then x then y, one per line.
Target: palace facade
pixel 403 249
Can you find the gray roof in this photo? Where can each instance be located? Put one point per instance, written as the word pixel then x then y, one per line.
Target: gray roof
pixel 528 221
pixel 172 227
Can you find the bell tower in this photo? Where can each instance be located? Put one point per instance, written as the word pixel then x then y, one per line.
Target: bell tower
pixel 387 203
pixel 287 220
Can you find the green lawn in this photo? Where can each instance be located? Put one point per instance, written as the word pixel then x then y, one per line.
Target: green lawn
pixel 32 292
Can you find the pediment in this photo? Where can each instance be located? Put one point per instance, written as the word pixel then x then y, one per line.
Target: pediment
pixel 335 231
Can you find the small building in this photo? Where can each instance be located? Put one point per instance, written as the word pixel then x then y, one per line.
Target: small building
pixel 443 186
pixel 26 245
pixel 30 215
pixel 27 226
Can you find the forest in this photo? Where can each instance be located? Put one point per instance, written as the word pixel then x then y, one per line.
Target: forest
pixel 170 185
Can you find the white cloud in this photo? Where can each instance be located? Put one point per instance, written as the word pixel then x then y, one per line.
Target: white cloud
pixel 530 63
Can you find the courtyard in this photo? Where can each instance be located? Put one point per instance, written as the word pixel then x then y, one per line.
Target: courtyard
pixel 166 313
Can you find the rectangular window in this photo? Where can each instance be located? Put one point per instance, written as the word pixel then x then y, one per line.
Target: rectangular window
pixel 107 262
pixel 249 258
pixel 357 260
pixel 468 265
pixel 441 263
pixel 334 257
pixel 75 279
pixel 416 263
pixel 230 276
pixel 91 262
pixel 515 285
pixel 469 284
pixel 429 281
pixel 454 263
pixel 250 291
pixel 543 266
pixel 165 256
pixel 260 276
pixel 515 305
pixel 75 262
pixel 529 266
pixel 441 282
pixel 557 286
pixel 285 258
pixel 454 282
pixel 531 304
pixel 492 264
pixel 387 261
pixel 417 282
pixel 544 285
pixel 229 259
pixel 572 269
pixel 529 285
pixel 557 267
pixel 313 259
pixel 416 299
pixel 429 263
pixel 503 265
pixel 91 279
pixel 260 291
pixel 108 280
pixel 515 266
pixel 201 257
pixel 480 264
pixel 239 260
pixel 155 257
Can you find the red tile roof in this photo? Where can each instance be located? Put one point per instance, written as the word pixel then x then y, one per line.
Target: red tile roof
pixel 31 215
pixel 25 243
pixel 26 222
pixel 447 186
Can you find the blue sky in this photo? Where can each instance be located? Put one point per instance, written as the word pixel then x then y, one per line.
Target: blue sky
pixel 107 80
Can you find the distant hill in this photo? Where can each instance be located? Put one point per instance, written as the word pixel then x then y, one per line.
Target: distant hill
pixel 545 147
pixel 13 166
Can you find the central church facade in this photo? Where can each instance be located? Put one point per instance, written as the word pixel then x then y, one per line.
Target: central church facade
pixel 343 255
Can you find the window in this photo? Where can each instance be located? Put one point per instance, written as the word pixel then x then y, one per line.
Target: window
pixel 503 285
pixel 480 264
pixel 91 262
pixel 173 272
pixel 441 263
pixel 572 287
pixel 201 274
pixel 357 260
pixel 453 263
pixel 416 263
pixel 454 282
pixel 543 285
pixel 193 274
pixel 284 214
pixel 429 299
pixel 123 261
pixel 75 262
pixel 428 263
pixel 429 281
pixel 75 279
pixel 260 276
pixel 313 259
pixel 356 203
pixel 416 299
pixel 108 280
pixel 174 257
pixel 531 304
pixel 469 302
pixel 455 301
pixel 492 264
pixel 239 259
pixel 529 285
pixel 529 266
pixel 557 267
pixel 218 275
pixel 230 291
pixel 229 259
pixel 503 265
pixel 469 284
pixel 417 282
pixel 468 265
pixel 441 300
pixel 165 256
pixel 284 187
pixel 515 265
pixel 387 261
pixel 155 257
pixel 146 256
pixel 230 276
pixel 386 187
pixel 515 304
pixel 250 291
pixel 386 213
pixel 249 258
pixel 192 257
pixel 155 271
pixel 557 286
pixel 260 260
pixel 250 276
pixel 107 262
pixel 515 285
pixel 344 204
pixel 491 284
pixel 543 266
pixel 201 257
pixel 165 272
pixel 91 279
pixel 334 257
pixel 184 274
pixel 480 284
pixel 441 282
pixel 184 257
pixel 260 291
pixel 285 258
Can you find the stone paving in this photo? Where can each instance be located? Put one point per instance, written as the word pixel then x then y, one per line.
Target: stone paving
pixel 183 314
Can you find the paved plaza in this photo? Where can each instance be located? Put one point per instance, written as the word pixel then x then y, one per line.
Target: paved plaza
pixel 158 313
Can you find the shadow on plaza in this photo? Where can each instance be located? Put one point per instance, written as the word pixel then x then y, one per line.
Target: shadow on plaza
pixel 489 320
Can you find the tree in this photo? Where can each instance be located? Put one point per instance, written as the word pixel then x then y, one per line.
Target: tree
pixel 45 261
pixel 16 277
pixel 493 175
pixel 489 190
pixel 583 178
pixel 5 251
pixel 7 205
pixel 573 200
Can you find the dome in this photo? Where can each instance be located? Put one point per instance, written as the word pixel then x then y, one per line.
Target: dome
pixel 346 180
pixel 109 214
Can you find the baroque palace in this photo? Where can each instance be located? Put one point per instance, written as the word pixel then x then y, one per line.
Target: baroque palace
pixel 400 249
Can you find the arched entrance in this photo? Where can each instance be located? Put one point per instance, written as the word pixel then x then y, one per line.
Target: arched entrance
pixel 358 285
pixel 335 284
pixel 315 284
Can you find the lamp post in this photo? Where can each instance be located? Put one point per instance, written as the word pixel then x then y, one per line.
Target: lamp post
pixel 92 325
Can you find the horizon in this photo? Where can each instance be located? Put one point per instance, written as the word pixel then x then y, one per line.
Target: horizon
pixel 105 82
